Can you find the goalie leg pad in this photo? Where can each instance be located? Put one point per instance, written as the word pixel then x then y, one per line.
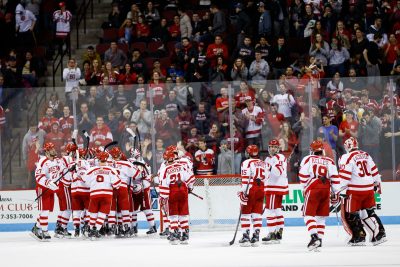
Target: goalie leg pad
pixel 374 226
pixel 355 224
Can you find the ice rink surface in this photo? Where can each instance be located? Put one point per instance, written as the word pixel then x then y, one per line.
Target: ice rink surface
pixel 204 249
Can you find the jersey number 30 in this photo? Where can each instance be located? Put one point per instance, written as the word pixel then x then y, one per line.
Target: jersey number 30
pixel 362 168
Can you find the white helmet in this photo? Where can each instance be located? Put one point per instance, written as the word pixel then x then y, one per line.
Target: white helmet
pixel 350 144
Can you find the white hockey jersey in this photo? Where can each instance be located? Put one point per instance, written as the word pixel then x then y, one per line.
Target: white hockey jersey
pixel 253 129
pixel 358 172
pixel 49 170
pixel 78 185
pixel 102 180
pixel 172 174
pixel 318 172
pixel 143 176
pixel 251 170
pixel 62 20
pixel 285 103
pixel 277 181
pixel 126 172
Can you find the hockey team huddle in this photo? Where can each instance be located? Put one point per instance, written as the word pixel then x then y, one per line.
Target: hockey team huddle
pixel 104 191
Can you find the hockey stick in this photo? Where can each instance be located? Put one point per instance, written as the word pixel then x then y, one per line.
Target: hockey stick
pixel 196 195
pixel 113 143
pixel 240 215
pixel 58 179
pixel 85 133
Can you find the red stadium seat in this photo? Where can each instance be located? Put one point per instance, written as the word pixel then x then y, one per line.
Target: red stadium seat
pixel 153 46
pixel 102 48
pixel 110 35
pixel 139 45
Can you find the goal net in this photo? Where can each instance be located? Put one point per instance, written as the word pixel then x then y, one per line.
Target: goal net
pixel 220 207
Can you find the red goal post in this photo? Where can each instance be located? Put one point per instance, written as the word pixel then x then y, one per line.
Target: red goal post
pixel 220 206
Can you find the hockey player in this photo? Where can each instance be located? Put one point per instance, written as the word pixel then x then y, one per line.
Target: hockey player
pixel 140 188
pixel 48 170
pixel 317 174
pixel 64 193
pixel 252 196
pixel 80 195
pixel 102 180
pixel 126 170
pixel 176 183
pixel 276 188
pixel 359 178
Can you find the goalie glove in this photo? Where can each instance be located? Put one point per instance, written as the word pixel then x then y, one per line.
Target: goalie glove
pixel 243 198
pixel 50 184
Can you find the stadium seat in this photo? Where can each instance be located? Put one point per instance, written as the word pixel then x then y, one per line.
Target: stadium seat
pixel 110 35
pixel 139 45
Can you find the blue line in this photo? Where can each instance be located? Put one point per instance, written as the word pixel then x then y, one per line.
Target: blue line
pixel 21 227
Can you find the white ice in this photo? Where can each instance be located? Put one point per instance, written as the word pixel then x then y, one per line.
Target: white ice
pixel 204 249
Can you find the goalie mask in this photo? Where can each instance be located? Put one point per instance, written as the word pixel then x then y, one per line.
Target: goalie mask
pixel 252 150
pixel 350 144
pixel 115 152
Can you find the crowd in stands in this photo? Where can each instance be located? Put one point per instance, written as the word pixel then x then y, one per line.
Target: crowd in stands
pixel 300 69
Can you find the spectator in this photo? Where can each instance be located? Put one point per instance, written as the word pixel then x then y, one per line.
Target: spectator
pixel 213 137
pixel 264 47
pixel 165 128
pixel 273 121
pixel 243 93
pixel 137 63
pixel 330 131
pixel 327 148
pixel 348 127
pixel 224 159
pixel 143 30
pixel 62 19
pixel 100 135
pixel 204 159
pixel 134 14
pixel 335 85
pixel 218 73
pixel 66 123
pixel 370 128
pixel 377 28
pixel 127 139
pixel 372 59
pixel 255 116
pixel 202 119
pixel 217 49
pixel 174 29
pixel 31 144
pixel 354 82
pixel 71 75
pixel 279 58
pixel 386 139
pixel 142 117
pixel 264 23
pixel 30 70
pixel 160 32
pixel 139 92
pixel 358 44
pixel 391 53
pixel 245 51
pixel 291 81
pixel 342 35
pixel 127 76
pixel 86 118
pixel 239 71
pixel 55 104
pixel 199 29
pixel 46 121
pixel 185 23
pixel 115 18
pixel 25 23
pixel 160 148
pixel 192 141
pixel 285 103
pixel 320 50
pixel 172 105
pixel 95 74
pixel 56 137
pixel 96 101
pixel 258 71
pixel 338 56
pixel 91 55
pixel 151 14
pixel 238 146
pixel 219 21
pixel 243 23
pixel 116 56
pixel 113 123
pixel 289 139
pixel 157 90
pixel 110 75
pixel 126 32
pixel 120 100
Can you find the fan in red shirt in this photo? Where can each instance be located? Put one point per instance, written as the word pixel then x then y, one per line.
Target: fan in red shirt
pixel 217 49
pixel 56 137
pixel 175 29
pixel 274 119
pixel 349 127
pixel 100 135
pixel 142 30
pixel 222 104
pixel 66 123
pixel 128 76
pixel 157 89
pixel 46 122
pixel 245 90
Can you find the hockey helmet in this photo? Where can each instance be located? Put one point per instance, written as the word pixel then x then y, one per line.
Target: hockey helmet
pixel 48 146
pixel 102 156
pixel 115 152
pixel 273 142
pixel 273 146
pixel 316 146
pixel 252 150
pixel 350 144
pixel 82 152
pixel 169 155
pixel 172 148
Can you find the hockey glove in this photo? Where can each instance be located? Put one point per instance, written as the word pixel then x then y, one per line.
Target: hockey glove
pixel 378 188
pixel 335 198
pixel 51 185
pixel 163 202
pixel 243 198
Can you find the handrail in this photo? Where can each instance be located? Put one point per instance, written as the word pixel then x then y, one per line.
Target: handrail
pixel 81 16
pixel 59 63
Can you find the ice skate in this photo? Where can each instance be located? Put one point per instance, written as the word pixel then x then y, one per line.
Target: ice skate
pixel 379 238
pixel 245 241
pixel 36 233
pixel 85 230
pixel 279 234
pixel 270 239
pixel 174 237
pixel 152 230
pixel 185 237
pixel 94 234
pixel 165 234
pixel 59 231
pixel 255 239
pixel 126 230
pixel 314 243
pixel 66 234
pixel 112 230
pixel 133 231
pixel 46 236
pixel 77 232
pixel 356 241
